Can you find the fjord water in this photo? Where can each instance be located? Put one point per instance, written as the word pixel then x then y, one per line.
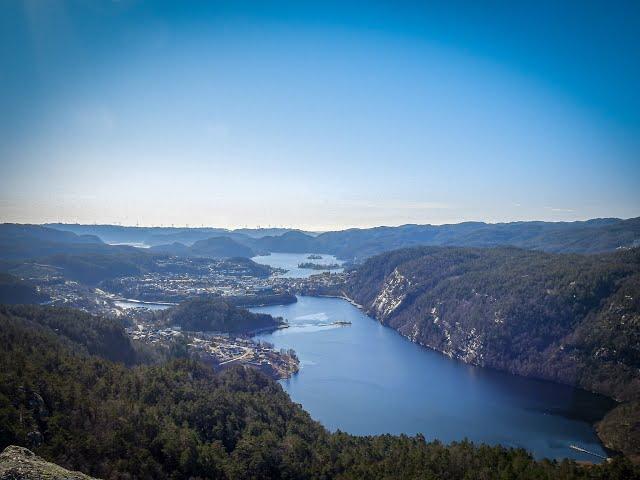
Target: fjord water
pixel 367 379
pixel 290 262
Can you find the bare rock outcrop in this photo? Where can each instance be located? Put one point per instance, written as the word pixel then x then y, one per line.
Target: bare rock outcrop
pixel 19 463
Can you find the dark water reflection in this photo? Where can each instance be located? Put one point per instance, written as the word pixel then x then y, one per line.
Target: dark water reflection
pixel 367 379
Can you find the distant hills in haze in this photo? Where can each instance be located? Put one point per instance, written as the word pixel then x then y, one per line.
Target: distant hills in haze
pixel 215 247
pixel 151 236
pixel 87 259
pixel 85 252
pixel 591 236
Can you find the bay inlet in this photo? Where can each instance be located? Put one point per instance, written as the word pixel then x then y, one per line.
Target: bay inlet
pixel 365 379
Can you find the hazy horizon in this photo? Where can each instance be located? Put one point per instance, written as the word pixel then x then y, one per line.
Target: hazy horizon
pixel 320 115
pixel 307 230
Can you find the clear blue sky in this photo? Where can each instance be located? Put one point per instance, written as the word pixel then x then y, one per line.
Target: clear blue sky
pixel 319 115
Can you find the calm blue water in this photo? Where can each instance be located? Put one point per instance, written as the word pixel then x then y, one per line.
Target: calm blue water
pixel 290 262
pixel 367 379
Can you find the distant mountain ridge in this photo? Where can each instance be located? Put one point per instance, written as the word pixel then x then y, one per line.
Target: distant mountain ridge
pixel 152 236
pixel 591 236
pixel 214 247
pixel 27 241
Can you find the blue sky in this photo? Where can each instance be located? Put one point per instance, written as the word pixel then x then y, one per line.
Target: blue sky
pixel 320 115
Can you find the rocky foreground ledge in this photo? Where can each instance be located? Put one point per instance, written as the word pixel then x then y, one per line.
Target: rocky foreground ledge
pixel 19 463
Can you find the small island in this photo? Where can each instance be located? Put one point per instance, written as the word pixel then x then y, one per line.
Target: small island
pixel 314 256
pixel 319 266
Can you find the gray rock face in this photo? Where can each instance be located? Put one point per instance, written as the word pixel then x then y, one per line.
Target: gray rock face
pixel 19 463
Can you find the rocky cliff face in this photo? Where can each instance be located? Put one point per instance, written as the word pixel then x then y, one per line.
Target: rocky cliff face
pixel 18 463
pixel 434 328
pixel 431 331
pixel 572 319
pixel 392 294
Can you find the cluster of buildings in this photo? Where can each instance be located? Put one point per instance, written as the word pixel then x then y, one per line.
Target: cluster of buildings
pixel 175 285
pixel 178 280
pixel 322 284
pixel 219 349
pixel 169 286
pixel 67 293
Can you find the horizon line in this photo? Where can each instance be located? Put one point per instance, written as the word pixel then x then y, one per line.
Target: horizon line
pixel 312 230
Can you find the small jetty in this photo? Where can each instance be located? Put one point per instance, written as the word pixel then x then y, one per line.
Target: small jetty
pixel 341 322
pixel 580 449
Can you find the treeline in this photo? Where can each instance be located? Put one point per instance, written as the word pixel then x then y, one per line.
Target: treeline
pixel 182 420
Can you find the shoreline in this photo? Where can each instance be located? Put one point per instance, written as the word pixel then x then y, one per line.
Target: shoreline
pixel 609 452
pixel 144 302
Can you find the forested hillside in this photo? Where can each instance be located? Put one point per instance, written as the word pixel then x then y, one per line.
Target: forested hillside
pixel 89 334
pixel 71 406
pixel 216 315
pixel 87 260
pixel 573 319
pixel 569 318
pixel 214 247
pixel 620 429
pixel 84 258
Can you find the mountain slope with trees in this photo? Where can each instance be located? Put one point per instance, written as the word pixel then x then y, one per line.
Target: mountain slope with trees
pixel 13 290
pixel 214 247
pixel 215 314
pixel 569 318
pixel 619 430
pixel 181 419
pixel 573 319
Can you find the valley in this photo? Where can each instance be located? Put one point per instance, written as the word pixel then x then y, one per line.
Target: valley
pixel 491 309
pixel 280 240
